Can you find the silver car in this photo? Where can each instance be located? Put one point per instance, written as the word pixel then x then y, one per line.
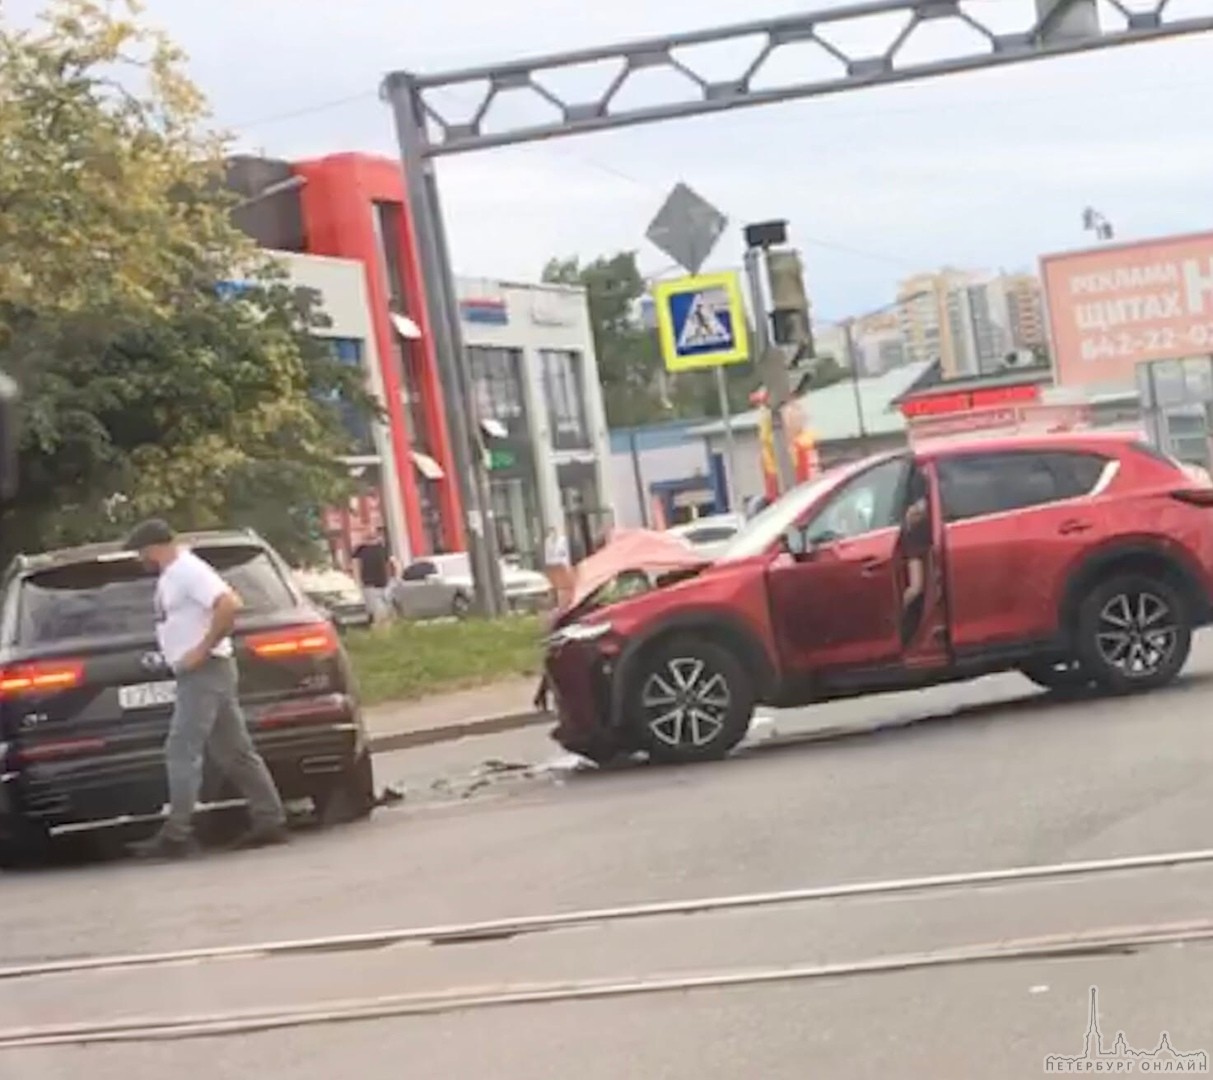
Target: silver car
pixel 441 585
pixel 709 536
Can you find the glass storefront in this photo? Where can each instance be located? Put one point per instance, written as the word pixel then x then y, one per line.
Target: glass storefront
pixel 587 523
pixel 565 392
pixel 498 394
pixel 517 519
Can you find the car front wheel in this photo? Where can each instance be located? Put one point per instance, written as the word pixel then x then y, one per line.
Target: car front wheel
pixel 1134 633
pixel 693 700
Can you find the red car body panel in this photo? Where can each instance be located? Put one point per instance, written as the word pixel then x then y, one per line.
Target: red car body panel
pixel 996 590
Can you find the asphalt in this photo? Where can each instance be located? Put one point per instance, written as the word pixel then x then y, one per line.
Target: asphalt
pixel 985 776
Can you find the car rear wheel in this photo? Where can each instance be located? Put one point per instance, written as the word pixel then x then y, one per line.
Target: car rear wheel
pixel 461 606
pixel 1059 676
pixel 350 798
pixel 693 701
pixel 1134 633
pixel 23 845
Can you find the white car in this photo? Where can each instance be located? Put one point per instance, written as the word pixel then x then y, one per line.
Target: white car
pixel 709 536
pixel 439 585
pixel 337 593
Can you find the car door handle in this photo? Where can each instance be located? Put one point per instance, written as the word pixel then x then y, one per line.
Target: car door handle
pixel 1068 528
pixel 872 565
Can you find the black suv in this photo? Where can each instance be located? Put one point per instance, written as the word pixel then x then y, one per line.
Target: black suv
pixel 85 697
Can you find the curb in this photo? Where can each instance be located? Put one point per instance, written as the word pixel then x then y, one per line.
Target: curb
pixel 485 725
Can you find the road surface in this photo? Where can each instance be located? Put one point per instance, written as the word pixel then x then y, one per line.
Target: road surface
pixel 981 777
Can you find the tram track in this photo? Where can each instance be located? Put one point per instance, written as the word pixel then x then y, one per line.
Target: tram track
pixel 1103 942
pixel 757 939
pixel 521 926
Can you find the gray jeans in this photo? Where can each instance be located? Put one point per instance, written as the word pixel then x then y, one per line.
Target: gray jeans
pixel 208 718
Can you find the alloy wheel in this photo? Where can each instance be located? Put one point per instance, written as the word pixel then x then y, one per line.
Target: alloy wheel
pixel 1136 633
pixel 686 703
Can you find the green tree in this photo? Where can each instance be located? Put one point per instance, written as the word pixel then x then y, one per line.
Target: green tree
pixel 629 362
pixel 148 388
pixel 824 371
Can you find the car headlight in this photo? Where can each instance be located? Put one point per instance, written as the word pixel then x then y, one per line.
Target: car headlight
pixel 579 632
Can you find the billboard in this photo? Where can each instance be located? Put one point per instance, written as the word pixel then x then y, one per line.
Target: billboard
pixel 1112 307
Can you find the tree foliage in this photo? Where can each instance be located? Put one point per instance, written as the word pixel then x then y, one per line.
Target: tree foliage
pixel 636 388
pixel 148 388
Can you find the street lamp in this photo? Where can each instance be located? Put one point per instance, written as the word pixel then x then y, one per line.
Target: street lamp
pixel 1094 221
pixel 292 183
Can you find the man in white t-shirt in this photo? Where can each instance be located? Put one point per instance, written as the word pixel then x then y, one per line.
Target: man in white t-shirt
pixel 195 613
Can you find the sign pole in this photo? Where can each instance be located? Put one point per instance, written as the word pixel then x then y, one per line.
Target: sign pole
pixel 769 362
pixel 730 444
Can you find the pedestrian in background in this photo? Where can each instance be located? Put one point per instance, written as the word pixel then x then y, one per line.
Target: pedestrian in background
pixel 556 565
pixel 375 569
pixel 195 611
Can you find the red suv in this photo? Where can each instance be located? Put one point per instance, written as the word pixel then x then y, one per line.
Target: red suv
pixel 1080 560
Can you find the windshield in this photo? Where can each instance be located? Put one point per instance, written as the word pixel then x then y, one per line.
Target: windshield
pixel 114 596
pixel 767 526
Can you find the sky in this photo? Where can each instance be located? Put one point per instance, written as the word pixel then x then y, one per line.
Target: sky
pixel 984 170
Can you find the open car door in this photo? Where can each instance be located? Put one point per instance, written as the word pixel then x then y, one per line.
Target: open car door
pixel 920 561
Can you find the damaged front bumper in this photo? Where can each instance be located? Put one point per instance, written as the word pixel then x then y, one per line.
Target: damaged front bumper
pixel 580 680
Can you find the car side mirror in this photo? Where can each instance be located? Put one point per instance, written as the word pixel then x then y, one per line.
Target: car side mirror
pixel 796 542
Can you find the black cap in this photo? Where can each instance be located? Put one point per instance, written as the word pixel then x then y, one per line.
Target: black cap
pixel 148 533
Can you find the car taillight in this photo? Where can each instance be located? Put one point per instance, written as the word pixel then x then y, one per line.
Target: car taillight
pixel 40 678
pixel 1194 496
pixel 315 639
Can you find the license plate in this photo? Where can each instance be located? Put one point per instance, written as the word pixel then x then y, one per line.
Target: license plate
pixel 147 695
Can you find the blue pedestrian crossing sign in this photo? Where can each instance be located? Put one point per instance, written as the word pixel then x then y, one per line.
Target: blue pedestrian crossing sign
pixel 701 321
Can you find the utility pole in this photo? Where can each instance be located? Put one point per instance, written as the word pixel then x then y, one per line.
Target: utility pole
pixel 784 334
pixel 467 443
pixel 848 328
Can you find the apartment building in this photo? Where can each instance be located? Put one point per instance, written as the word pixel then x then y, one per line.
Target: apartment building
pixel 970 320
pixel 1026 311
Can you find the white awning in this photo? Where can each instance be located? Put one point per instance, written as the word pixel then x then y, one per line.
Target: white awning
pixel 427 466
pixel 405 327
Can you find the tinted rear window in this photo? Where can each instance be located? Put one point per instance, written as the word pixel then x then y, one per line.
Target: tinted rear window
pixel 979 484
pixel 95 599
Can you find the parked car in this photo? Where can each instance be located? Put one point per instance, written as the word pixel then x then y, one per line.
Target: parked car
pixel 711 535
pixel 441 585
pixel 1082 560
pixel 337 593
pixel 85 696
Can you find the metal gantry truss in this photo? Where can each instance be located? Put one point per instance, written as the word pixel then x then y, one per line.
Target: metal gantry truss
pixel 426 130
pixel 1055 27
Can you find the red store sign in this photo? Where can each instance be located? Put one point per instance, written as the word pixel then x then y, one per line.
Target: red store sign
pixel 967 400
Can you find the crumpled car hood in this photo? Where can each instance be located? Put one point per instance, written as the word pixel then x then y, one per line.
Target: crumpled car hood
pixel 631 549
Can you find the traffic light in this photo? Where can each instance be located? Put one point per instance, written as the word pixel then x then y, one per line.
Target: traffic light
pixel 791 324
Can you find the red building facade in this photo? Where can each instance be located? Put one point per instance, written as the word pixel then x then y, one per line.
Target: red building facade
pixel 354 206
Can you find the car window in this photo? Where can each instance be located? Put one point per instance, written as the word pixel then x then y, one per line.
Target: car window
pixel 870 501
pixel 979 484
pixel 419 571
pixel 114 596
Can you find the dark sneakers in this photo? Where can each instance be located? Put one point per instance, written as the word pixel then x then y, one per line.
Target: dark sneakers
pixel 165 848
pixel 261 836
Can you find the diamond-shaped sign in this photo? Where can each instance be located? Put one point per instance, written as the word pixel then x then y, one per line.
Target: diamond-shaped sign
pixel 686 228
